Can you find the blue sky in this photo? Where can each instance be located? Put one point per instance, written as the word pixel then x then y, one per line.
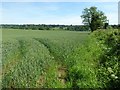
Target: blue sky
pixel 53 12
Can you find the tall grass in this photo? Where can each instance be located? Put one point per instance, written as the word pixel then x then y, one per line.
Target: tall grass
pixel 96 63
pixel 35 59
pixel 32 59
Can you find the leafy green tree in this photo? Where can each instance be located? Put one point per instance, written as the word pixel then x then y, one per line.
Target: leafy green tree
pixel 93 18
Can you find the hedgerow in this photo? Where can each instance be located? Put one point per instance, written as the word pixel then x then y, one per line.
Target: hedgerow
pixel 97 63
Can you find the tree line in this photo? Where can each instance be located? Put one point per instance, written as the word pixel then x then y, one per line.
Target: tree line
pixel 51 27
pixel 46 27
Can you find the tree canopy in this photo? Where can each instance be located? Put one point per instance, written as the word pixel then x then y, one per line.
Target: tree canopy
pixel 93 18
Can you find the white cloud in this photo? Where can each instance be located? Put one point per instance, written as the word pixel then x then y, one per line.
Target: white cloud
pixel 67 20
pixel 53 19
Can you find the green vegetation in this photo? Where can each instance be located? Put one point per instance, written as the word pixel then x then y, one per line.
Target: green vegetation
pixel 46 27
pixel 97 62
pixel 60 59
pixel 52 27
pixel 94 18
pixel 35 58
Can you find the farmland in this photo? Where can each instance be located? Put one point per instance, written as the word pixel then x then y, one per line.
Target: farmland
pixel 29 56
pixel 59 59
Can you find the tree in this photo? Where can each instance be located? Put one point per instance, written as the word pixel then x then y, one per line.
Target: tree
pixel 93 18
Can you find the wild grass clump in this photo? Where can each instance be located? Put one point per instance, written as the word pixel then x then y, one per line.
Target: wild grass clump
pixel 109 60
pixel 96 63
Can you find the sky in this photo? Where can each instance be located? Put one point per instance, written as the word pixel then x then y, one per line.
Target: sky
pixel 119 13
pixel 53 12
